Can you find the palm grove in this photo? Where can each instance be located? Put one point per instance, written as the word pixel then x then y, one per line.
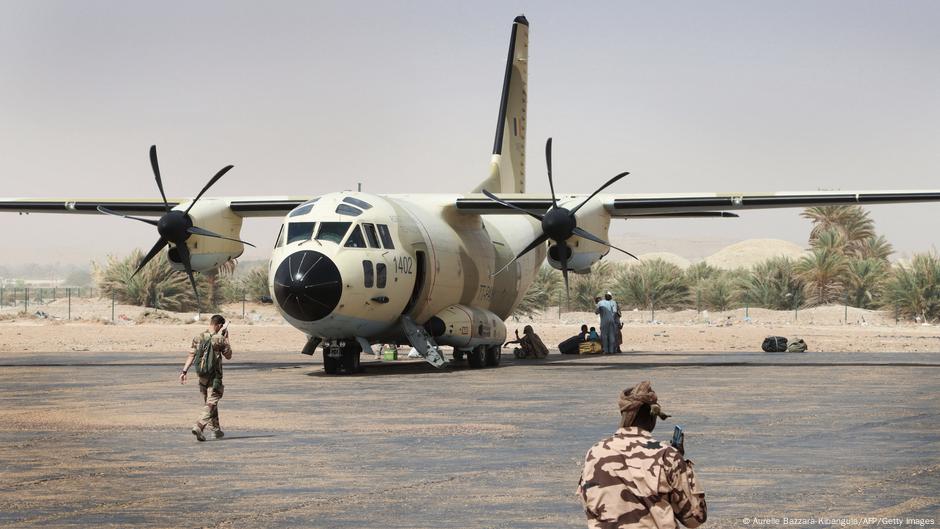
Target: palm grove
pixel 847 263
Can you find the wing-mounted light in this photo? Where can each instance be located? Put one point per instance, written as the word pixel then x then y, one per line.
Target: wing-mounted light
pixel 177 226
pixel 560 224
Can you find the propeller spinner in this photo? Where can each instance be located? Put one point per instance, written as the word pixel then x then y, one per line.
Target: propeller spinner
pixel 558 224
pixel 176 226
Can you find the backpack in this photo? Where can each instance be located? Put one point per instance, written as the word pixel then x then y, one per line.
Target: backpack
pixel 797 346
pixel 774 344
pixel 207 361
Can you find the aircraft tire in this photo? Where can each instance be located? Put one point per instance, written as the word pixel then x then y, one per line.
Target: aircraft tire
pixel 477 357
pixel 330 365
pixel 494 354
pixel 458 355
pixel 350 361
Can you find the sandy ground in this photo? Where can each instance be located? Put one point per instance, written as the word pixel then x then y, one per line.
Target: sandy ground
pixel 261 329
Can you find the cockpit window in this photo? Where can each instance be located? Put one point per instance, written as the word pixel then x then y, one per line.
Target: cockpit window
pixel 299 231
pixel 370 235
pixel 345 209
pixel 333 231
pixel 386 237
pixel 303 208
pixel 356 202
pixel 355 239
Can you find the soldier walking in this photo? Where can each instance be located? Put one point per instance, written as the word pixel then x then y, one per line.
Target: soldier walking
pixel 631 480
pixel 209 346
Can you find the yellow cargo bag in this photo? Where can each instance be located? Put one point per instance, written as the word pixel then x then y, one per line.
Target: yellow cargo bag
pixel 590 348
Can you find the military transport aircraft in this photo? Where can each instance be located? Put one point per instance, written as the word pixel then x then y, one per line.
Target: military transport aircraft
pixel 352 269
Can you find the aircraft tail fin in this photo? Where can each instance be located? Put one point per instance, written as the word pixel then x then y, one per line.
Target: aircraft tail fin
pixel 507 165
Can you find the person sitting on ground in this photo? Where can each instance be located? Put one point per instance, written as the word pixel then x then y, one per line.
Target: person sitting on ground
pixel 530 345
pixel 570 346
pixel 593 336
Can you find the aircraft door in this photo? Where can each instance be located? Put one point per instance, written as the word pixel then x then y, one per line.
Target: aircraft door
pixel 419 293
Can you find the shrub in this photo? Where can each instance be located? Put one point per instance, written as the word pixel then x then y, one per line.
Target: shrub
pixel 157 285
pixel 772 284
pixel 652 284
pixel 543 291
pixel 914 288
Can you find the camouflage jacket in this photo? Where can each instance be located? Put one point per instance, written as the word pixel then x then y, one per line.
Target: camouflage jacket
pixel 632 480
pixel 220 344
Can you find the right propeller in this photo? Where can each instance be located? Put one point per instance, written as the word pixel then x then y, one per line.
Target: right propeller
pixel 558 224
pixel 176 226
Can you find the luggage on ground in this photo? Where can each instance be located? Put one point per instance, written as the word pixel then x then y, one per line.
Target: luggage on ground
pixel 774 344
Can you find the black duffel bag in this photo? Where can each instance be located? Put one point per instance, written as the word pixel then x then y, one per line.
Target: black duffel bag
pixel 774 344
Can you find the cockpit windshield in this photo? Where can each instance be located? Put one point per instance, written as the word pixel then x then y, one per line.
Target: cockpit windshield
pixel 333 231
pixel 299 231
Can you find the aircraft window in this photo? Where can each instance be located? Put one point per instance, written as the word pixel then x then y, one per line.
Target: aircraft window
pixel 355 239
pixel 380 275
pixel 299 231
pixel 370 234
pixel 357 202
pixel 345 209
pixel 367 273
pixel 386 237
pixel 333 231
pixel 300 210
pixel 279 241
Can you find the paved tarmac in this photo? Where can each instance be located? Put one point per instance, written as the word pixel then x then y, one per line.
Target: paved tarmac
pixel 101 439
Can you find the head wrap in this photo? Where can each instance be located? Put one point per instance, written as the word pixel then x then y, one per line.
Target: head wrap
pixel 632 399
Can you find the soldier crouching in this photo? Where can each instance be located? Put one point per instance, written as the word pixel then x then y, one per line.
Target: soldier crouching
pixel 212 342
pixel 631 480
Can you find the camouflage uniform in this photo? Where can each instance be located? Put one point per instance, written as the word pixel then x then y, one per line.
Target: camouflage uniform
pixel 631 480
pixel 211 387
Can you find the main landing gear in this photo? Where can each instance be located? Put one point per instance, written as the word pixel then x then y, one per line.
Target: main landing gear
pixel 341 357
pixel 484 356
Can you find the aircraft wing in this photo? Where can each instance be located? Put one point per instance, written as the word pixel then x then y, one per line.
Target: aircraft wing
pixel 276 206
pixel 696 204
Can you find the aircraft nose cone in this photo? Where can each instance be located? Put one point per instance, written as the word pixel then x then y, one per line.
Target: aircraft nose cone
pixel 307 285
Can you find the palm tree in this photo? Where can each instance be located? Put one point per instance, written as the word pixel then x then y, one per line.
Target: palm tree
pixel 914 288
pixel 652 284
pixel 852 221
pixel 822 271
pixel 864 283
pixel 543 291
pixel 874 248
pixel 772 284
pixel 584 287
pixel 157 285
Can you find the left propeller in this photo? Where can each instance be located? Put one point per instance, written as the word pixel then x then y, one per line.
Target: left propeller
pixel 558 223
pixel 175 226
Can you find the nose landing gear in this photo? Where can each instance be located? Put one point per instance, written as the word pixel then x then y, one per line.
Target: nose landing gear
pixel 341 356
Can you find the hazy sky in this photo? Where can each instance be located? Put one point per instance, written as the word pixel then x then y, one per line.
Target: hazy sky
pixel 308 97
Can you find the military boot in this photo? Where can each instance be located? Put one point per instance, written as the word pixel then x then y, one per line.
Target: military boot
pixel 197 431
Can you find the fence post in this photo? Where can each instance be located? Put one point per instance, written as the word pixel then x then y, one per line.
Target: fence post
pixel 1 295
pixel 746 310
pixel 846 308
pixel 112 306
pixel 243 304
pixel 54 293
pixel 69 291
pixel 26 300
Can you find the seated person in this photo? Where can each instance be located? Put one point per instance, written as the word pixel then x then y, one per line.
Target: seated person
pixel 570 346
pixel 593 336
pixel 530 345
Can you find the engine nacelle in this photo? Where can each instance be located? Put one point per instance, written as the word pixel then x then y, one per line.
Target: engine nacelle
pixel 208 253
pixel 466 327
pixel 584 253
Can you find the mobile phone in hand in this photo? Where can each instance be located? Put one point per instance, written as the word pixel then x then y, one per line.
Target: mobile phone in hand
pixel 678 438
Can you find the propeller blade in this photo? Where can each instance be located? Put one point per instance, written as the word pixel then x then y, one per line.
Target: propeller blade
pixel 161 244
pixel 603 187
pixel 156 174
pixel 498 200
pixel 184 256
pixel 548 164
pixel 534 244
pixel 563 253
pixel 106 211
pixel 588 235
pixel 213 180
pixel 195 230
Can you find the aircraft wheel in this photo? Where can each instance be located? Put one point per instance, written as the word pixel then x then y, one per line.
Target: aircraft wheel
pixel 477 357
pixel 458 355
pixel 330 365
pixel 494 354
pixel 350 360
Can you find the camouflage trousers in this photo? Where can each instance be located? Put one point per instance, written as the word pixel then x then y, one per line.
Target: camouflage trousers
pixel 211 398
